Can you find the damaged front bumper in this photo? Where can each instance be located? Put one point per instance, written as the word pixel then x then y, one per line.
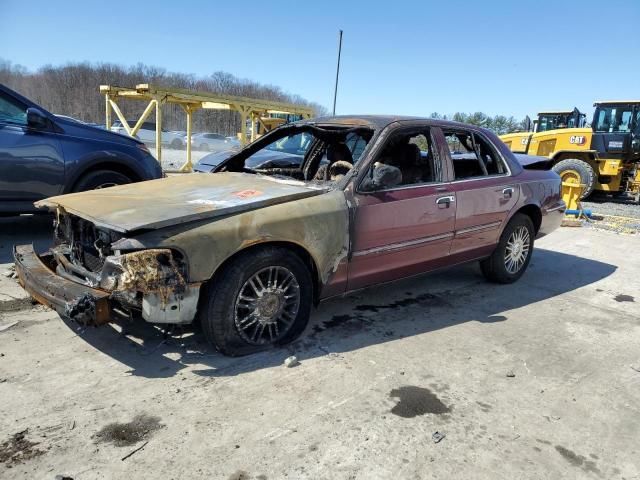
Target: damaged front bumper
pixel 128 284
pixel 69 299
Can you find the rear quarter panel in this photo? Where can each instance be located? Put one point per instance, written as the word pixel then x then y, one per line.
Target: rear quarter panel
pixel 542 189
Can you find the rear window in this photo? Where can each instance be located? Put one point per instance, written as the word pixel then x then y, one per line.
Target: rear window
pixel 473 155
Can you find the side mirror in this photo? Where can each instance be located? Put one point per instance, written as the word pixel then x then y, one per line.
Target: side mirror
pixel 36 119
pixel 381 176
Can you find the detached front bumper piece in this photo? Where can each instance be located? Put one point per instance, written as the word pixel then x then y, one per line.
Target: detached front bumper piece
pixel 70 299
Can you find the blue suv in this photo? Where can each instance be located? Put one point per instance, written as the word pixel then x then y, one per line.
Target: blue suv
pixel 42 155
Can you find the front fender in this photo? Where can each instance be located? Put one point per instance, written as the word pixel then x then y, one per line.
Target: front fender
pixel 318 224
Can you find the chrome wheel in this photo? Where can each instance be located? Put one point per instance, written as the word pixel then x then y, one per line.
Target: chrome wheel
pixel 267 306
pixel 517 250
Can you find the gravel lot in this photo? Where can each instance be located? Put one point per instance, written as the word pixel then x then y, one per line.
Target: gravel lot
pixel 540 379
pixel 605 206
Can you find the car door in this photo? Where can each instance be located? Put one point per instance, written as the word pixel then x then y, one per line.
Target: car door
pixel 31 159
pixel 405 229
pixel 485 192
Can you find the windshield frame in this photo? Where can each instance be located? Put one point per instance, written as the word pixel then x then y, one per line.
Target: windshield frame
pixel 317 130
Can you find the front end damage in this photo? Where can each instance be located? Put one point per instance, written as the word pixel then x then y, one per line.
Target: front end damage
pixel 93 275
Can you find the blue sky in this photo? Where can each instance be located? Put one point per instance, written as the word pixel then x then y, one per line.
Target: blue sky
pixel 404 57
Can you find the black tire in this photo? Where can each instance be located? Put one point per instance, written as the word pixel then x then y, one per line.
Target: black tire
pixel 100 179
pixel 218 310
pixel 176 144
pixel 582 168
pixel 204 147
pixel 495 267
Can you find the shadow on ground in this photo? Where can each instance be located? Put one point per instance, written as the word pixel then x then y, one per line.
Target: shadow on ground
pixel 405 308
pixel 24 229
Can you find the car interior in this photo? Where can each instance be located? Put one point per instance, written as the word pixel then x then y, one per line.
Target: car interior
pixel 472 156
pixel 412 154
pixel 327 157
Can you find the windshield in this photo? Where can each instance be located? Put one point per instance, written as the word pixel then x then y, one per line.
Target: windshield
pixel 555 121
pixel 613 119
pixel 315 154
pixel 294 144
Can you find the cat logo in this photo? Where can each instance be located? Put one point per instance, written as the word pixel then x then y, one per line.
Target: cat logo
pixel 577 139
pixel 524 140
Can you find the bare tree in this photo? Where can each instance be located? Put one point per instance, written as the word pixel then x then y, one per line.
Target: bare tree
pixel 72 89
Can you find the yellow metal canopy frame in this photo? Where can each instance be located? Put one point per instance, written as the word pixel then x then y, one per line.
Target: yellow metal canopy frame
pixel 190 101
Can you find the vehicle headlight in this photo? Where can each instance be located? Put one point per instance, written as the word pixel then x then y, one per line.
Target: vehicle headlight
pixel 147 271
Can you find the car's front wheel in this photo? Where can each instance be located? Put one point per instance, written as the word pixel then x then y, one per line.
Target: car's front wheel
pixel 261 299
pixel 513 253
pixel 100 179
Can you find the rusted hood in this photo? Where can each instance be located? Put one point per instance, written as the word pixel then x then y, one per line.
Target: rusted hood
pixel 179 199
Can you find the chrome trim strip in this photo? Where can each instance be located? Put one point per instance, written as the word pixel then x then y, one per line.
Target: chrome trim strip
pixel 562 206
pixel 478 228
pixel 400 245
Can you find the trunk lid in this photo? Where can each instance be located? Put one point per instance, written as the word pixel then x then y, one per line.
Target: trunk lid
pixel 178 199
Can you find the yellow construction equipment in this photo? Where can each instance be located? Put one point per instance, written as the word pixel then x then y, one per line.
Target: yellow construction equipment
pixel 253 112
pixel 604 157
pixel 518 142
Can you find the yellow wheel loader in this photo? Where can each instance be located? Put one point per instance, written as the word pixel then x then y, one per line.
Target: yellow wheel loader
pixel 518 142
pixel 605 157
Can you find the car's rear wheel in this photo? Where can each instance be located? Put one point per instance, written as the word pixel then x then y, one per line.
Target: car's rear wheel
pixel 176 144
pixel 261 299
pixel 575 171
pixel 513 252
pixel 100 179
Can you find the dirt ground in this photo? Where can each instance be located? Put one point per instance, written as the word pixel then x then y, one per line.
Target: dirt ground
pixel 442 376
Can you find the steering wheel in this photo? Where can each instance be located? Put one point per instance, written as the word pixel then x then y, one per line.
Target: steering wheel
pixel 339 169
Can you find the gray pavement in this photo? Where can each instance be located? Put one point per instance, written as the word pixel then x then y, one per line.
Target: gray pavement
pixel 540 379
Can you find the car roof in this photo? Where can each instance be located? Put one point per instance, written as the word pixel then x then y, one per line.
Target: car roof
pixel 381 121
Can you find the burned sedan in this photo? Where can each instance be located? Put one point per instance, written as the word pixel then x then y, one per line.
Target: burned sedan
pixel 248 250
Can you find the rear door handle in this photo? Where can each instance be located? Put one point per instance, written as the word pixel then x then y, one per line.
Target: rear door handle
pixel 445 202
pixel 507 192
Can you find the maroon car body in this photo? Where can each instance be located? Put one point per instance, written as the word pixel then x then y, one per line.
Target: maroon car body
pixel 248 252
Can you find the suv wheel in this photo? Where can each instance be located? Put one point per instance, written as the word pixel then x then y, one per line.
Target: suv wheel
pixel 262 299
pixel 100 179
pixel 513 253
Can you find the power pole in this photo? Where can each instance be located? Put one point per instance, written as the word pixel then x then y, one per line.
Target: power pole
pixel 335 91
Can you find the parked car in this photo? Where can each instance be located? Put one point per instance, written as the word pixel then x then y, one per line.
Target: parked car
pixel 43 155
pixel 147 133
pixel 73 119
pixel 211 142
pixel 247 254
pixel 234 140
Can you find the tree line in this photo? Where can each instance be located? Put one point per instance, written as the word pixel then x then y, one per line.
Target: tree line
pixel 498 123
pixel 72 89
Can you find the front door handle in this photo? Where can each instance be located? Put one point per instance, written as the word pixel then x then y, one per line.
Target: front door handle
pixel 445 202
pixel 507 192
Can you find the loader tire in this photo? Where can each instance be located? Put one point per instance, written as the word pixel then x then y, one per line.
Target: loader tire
pixel 577 171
